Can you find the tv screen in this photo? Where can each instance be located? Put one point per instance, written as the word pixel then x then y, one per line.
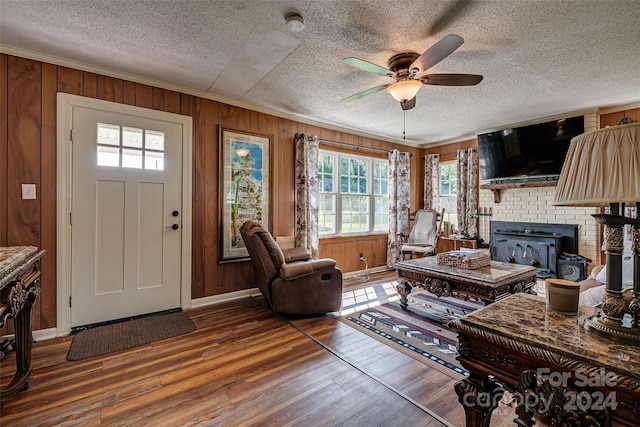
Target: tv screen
pixel 525 151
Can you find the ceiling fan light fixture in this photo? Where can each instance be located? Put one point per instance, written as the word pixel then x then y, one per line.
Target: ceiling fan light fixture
pixel 404 90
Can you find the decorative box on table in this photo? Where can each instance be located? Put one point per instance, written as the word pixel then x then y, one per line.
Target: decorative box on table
pixel 469 259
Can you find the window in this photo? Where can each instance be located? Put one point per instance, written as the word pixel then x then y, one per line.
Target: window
pixel 354 194
pixel 127 147
pixel 448 191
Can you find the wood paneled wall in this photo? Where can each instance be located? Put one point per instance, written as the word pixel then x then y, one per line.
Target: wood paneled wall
pixel 612 119
pixel 28 155
pixel 449 151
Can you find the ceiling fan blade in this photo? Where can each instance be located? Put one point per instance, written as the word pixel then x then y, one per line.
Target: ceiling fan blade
pixel 367 66
pixel 408 105
pixel 437 53
pixel 451 79
pixel 364 93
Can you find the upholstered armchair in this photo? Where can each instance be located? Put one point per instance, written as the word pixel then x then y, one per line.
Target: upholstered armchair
pixel 423 238
pixel 291 281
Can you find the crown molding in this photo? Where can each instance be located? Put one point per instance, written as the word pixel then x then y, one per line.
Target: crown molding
pixel 617 108
pixel 82 66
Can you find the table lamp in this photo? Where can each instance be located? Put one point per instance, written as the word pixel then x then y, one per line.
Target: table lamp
pixel 602 168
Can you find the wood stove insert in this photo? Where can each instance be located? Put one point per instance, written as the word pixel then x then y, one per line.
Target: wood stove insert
pixel 536 244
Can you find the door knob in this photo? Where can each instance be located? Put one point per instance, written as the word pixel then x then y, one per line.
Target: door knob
pixel 175 213
pixel 173 226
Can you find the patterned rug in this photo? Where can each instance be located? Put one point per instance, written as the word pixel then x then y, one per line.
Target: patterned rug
pixel 421 331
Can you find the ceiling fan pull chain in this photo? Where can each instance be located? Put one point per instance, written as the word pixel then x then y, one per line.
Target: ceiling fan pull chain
pixel 404 123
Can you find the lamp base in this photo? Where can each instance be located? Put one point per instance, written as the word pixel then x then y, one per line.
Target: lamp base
pixel 600 325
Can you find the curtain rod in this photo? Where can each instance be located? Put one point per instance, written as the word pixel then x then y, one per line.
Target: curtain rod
pixel 382 150
pixel 354 145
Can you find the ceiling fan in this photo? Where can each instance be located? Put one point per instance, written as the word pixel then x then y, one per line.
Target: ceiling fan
pixel 409 71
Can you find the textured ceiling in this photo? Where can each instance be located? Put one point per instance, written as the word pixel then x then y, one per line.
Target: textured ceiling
pixel 539 58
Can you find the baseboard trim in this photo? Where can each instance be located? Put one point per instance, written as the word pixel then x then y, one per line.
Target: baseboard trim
pixel 215 299
pixel 359 273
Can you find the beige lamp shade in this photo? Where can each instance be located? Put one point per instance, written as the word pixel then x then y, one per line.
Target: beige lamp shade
pixel 601 167
pixel 404 90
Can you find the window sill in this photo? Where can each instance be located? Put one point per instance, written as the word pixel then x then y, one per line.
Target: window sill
pixel 344 237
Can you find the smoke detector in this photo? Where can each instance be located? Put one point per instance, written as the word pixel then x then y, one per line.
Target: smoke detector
pixel 294 21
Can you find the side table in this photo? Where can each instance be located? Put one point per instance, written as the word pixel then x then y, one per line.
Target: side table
pixel 19 280
pixel 553 367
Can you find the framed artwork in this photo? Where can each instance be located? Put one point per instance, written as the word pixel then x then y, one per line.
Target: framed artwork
pixel 245 190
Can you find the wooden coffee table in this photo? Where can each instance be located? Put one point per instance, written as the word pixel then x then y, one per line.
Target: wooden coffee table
pixel 489 284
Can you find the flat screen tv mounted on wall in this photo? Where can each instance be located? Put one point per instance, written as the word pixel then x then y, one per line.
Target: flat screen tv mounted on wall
pixel 527 151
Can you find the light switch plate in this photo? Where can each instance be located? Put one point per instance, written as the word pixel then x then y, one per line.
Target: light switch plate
pixel 28 191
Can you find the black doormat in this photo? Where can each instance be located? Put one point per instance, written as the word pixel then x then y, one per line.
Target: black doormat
pixel 132 333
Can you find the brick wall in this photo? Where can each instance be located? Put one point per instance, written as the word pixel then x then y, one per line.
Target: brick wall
pixel 535 204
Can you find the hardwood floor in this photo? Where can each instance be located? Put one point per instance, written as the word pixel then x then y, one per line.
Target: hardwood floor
pixel 244 365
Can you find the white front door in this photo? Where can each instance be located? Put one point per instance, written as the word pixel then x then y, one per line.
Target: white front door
pixel 126 215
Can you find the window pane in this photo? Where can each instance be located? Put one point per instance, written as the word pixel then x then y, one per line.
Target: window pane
pixel 154 160
pixel 327 214
pixel 346 204
pixel 362 168
pixel 449 203
pixel 131 137
pixel 328 183
pixel 154 140
pixel 381 214
pixel 326 164
pixel 108 134
pixel 444 188
pixel 131 158
pixel 381 178
pixel 108 156
pixel 344 184
pixel 448 199
pixel 355 214
pixel 353 185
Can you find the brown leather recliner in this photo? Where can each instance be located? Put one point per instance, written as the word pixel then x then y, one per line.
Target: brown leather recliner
pixel 290 280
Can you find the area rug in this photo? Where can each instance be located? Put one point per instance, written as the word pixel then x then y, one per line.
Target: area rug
pixel 131 333
pixel 421 331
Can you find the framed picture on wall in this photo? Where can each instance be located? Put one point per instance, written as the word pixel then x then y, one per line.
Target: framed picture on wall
pixel 245 187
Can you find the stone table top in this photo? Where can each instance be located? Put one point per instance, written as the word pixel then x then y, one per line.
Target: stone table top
pixel 495 273
pixel 522 322
pixel 12 258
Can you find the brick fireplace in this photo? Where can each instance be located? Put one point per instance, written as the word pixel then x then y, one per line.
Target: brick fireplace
pixel 535 205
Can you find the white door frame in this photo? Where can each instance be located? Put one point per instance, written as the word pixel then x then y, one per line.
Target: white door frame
pixel 65 105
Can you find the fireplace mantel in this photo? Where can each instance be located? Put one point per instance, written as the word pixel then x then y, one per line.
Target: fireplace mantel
pixel 497 188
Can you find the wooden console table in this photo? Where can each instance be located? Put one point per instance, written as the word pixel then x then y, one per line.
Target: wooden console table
pixel 551 364
pixel 19 279
pixel 491 283
pixel 446 244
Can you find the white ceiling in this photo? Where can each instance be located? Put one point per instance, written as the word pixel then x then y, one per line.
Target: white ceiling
pixel 539 59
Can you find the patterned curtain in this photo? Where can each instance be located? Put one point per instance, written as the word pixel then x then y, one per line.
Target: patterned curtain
pixel 468 191
pixel 399 185
pixel 307 150
pixel 432 182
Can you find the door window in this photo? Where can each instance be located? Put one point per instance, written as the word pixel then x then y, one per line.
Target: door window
pixel 128 147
